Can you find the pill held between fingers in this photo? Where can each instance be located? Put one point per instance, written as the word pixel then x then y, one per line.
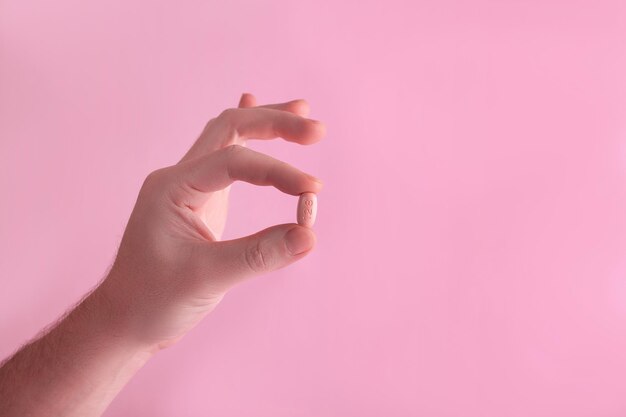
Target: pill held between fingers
pixel 307 209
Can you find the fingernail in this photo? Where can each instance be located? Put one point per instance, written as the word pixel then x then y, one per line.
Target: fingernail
pixel 299 240
pixel 314 178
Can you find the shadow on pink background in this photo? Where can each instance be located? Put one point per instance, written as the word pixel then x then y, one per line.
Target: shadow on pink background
pixel 471 255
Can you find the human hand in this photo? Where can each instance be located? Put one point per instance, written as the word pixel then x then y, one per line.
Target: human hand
pixel 172 268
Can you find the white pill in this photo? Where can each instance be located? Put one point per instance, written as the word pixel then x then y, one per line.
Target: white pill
pixel 307 209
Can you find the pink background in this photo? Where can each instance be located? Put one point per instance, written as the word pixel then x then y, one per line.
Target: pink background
pixel 471 255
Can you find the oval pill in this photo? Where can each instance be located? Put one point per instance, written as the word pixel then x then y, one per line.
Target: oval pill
pixel 307 209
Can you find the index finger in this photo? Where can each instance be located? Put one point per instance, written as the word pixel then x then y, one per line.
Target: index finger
pixel 216 171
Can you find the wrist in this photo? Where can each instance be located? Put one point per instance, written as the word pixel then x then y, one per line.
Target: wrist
pixel 116 320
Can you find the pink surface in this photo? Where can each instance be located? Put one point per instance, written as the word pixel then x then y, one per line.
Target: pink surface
pixel 471 256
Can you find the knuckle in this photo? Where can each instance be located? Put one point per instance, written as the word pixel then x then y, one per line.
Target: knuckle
pixel 256 257
pixel 154 178
pixel 210 123
pixel 155 183
pixel 231 152
pixel 228 114
pixel 234 149
pixel 228 121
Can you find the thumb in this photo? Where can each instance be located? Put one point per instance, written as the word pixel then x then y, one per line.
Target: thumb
pixel 268 250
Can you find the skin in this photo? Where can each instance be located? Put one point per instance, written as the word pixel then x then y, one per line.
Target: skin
pixel 171 269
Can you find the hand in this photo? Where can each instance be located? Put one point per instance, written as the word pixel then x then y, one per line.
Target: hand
pixel 172 268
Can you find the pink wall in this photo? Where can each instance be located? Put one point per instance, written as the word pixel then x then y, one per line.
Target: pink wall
pixel 471 255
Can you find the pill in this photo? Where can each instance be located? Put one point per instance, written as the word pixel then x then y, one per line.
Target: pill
pixel 307 209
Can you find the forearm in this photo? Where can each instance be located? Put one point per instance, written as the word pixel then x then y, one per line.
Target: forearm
pixel 76 368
